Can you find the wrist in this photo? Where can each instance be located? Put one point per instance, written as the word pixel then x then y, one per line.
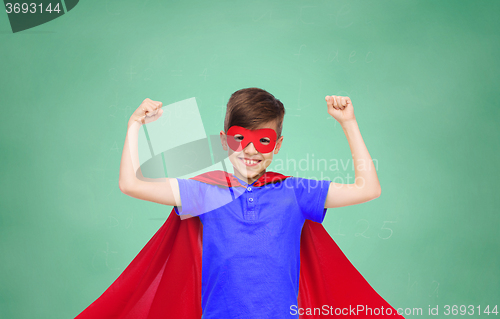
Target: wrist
pixel 133 123
pixel 349 123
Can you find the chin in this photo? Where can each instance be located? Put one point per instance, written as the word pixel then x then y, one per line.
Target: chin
pixel 248 172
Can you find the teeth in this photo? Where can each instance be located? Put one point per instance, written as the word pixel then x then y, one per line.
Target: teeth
pixel 250 161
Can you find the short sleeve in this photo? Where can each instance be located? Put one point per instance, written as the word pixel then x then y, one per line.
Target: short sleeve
pixel 311 195
pixel 198 198
pixel 192 193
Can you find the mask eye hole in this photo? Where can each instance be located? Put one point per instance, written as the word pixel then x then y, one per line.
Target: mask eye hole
pixel 238 137
pixel 265 141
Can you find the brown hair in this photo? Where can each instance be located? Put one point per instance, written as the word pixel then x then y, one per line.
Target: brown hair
pixel 252 107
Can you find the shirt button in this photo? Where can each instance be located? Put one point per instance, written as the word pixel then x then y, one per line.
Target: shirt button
pixel 250 199
pixel 249 189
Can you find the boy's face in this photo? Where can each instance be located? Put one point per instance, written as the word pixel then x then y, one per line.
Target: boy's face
pixel 249 164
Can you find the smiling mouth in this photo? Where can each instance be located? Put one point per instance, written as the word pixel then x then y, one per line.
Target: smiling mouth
pixel 249 162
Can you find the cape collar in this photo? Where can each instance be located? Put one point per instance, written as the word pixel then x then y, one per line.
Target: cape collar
pixel 222 178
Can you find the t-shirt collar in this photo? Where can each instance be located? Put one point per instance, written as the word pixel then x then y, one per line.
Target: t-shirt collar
pixel 244 183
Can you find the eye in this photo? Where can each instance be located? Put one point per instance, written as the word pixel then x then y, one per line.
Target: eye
pixel 265 140
pixel 239 137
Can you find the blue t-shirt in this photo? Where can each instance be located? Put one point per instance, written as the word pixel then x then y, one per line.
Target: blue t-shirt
pixel 251 244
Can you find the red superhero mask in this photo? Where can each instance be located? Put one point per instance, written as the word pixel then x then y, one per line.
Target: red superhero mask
pixel 264 139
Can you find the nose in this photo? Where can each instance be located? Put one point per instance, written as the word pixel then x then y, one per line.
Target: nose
pixel 250 149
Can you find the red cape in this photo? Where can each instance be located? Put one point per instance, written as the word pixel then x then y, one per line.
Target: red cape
pixel 164 279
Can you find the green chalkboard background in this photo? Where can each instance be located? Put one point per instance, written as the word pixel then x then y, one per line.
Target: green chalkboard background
pixel 423 77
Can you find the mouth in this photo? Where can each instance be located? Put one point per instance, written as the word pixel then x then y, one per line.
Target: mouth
pixel 249 162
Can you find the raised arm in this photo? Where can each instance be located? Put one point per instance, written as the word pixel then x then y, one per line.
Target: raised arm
pixel 366 185
pixel 131 181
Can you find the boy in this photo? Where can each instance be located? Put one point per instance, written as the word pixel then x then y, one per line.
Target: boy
pixel 252 222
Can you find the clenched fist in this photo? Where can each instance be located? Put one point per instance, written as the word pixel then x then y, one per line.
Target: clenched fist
pixel 340 107
pixel 149 111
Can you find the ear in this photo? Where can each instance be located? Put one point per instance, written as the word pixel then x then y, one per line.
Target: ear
pixel 223 140
pixel 278 145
